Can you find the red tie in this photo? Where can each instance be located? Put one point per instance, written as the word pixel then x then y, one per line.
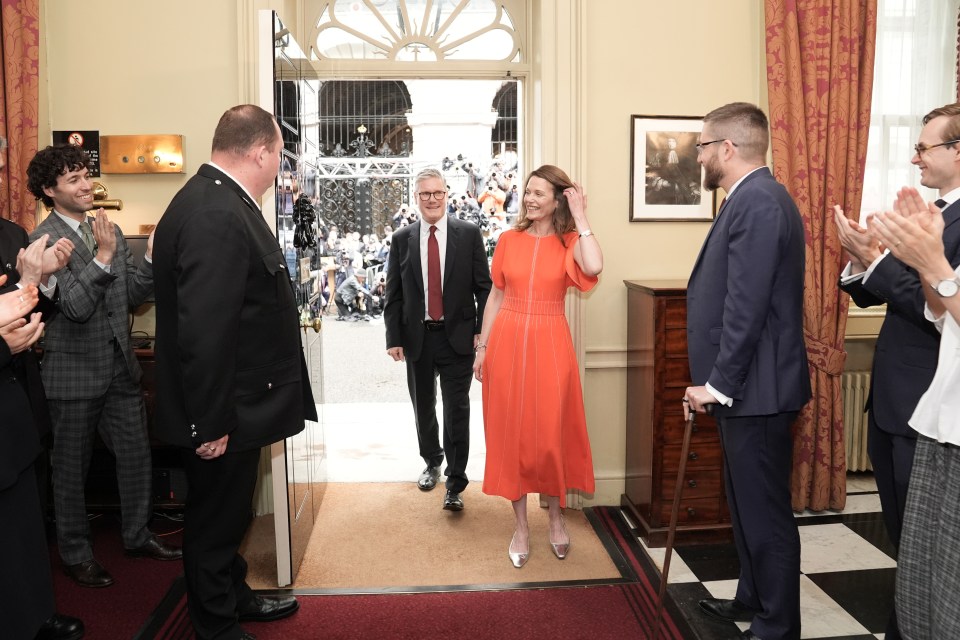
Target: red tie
pixel 435 301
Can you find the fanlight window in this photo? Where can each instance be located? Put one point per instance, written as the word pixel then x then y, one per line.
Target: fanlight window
pixel 415 30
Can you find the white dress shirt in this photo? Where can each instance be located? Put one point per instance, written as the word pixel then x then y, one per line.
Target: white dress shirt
pixel 937 414
pixel 441 234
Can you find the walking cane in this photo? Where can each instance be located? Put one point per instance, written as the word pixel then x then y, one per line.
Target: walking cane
pixel 674 515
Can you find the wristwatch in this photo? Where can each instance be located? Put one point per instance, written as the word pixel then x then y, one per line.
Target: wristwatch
pixel 947 288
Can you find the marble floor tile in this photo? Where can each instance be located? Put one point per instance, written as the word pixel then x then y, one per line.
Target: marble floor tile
pixel 679 571
pixel 867 595
pixel 861 483
pixel 834 547
pixel 856 503
pixel 821 617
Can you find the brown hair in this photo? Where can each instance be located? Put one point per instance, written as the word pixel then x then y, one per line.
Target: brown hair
pixel 745 125
pixel 562 220
pixel 243 128
pixel 951 111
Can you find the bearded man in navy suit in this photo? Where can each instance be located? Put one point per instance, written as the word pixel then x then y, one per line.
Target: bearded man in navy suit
pixel 749 363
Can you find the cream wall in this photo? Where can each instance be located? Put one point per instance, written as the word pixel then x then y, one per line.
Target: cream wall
pixel 646 57
pixel 139 68
pixel 174 66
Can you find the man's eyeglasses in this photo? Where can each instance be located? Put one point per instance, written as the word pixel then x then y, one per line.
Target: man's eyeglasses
pixel 920 147
pixel 436 195
pixel 701 145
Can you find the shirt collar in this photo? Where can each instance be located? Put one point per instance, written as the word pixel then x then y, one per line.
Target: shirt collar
pixel 441 225
pixel 742 178
pixel 951 196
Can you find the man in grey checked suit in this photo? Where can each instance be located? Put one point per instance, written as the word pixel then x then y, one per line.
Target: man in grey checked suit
pixel 90 372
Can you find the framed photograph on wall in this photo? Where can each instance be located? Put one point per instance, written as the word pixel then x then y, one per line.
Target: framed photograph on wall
pixel 666 181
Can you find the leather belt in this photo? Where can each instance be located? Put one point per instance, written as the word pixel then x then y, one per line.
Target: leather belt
pixel 433 325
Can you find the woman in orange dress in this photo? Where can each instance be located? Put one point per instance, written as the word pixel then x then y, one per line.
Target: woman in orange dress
pixel 535 428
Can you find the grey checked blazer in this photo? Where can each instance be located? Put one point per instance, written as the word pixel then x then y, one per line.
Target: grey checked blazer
pixel 94 308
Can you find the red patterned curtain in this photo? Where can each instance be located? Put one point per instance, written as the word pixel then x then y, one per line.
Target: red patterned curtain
pixel 19 78
pixel 820 57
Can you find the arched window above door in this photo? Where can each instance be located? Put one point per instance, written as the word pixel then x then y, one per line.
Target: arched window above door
pixel 417 30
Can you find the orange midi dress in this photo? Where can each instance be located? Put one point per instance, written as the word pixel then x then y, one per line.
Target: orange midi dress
pixel 536 431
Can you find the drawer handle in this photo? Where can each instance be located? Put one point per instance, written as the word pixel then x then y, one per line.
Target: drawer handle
pixel 691 512
pixel 693 455
pixel 692 484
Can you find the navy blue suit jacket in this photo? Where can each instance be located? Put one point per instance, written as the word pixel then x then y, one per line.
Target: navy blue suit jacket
pixel 745 302
pixel 908 344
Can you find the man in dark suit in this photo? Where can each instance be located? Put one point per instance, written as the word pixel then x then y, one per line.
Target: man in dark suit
pixel 90 372
pixel 438 280
pixel 26 587
pixel 907 346
pixel 748 360
pixel 230 372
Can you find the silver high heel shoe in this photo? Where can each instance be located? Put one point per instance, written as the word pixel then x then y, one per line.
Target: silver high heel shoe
pixel 518 559
pixel 561 550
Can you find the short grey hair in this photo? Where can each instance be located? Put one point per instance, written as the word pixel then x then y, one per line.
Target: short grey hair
pixel 3 143
pixel 426 174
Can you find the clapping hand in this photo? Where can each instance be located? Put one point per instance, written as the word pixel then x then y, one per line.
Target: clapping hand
pixel 860 246
pixel 17 303
pixel 913 231
pixel 20 334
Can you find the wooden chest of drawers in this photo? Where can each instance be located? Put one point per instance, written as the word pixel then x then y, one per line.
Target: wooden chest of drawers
pixel 657 374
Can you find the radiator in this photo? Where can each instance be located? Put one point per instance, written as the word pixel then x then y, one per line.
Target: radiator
pixel 854 386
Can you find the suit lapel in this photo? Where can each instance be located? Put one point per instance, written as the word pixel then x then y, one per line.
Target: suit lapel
pixel 453 243
pixel 764 171
pixel 61 229
pixel 413 246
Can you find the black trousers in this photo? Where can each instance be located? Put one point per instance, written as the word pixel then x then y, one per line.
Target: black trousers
pixel 455 371
pixel 758 458
pixel 218 513
pixel 26 587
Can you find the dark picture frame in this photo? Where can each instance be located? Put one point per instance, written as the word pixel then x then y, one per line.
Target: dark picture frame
pixel 666 181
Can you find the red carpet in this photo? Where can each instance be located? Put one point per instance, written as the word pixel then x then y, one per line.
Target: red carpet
pixel 594 612
pixel 117 611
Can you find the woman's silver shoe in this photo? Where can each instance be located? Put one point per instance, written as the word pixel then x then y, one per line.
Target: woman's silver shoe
pixel 518 559
pixel 561 550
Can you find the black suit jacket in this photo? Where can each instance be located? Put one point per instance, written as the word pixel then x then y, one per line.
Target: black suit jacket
pixel 24 406
pixel 466 285
pixel 908 344
pixel 745 302
pixel 228 352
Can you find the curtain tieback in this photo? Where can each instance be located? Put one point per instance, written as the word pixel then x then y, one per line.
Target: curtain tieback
pixel 823 356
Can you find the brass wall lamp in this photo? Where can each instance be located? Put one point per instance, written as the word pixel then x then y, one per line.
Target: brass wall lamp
pixel 101 198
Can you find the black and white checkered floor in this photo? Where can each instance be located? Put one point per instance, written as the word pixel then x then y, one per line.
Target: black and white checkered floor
pixel 847 565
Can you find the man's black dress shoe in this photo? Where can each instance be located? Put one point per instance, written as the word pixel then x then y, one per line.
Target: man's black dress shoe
pixel 155 549
pixel 88 574
pixel 452 501
pixel 428 479
pixel 727 610
pixel 60 627
pixel 267 608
